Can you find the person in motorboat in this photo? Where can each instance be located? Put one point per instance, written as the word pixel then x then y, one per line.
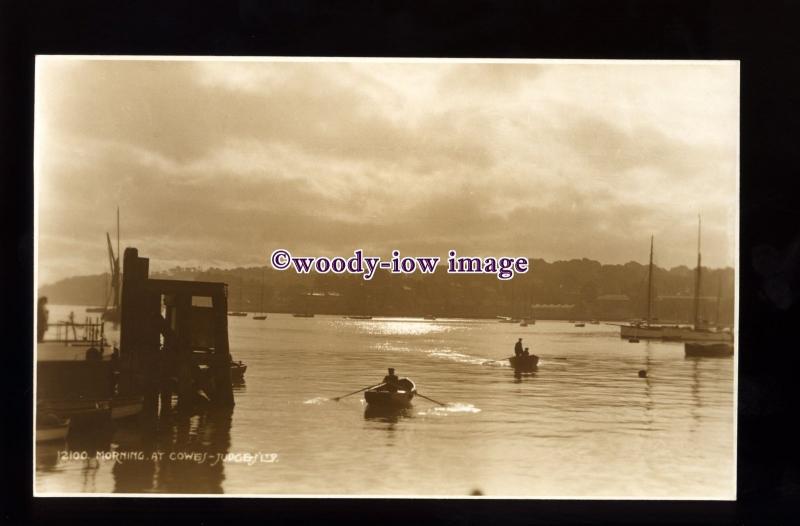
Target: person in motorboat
pixel 518 348
pixel 391 382
pixel 526 352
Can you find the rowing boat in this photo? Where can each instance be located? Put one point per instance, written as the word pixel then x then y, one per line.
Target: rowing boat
pixel 524 363
pixel 383 397
pixel 50 427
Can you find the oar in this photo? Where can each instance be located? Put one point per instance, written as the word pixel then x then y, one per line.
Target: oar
pixel 354 392
pixel 432 400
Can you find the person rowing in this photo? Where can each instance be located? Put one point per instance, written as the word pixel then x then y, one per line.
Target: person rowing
pixel 391 382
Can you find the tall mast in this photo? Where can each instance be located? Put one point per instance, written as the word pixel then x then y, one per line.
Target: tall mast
pixel 697 279
pixel 118 274
pixel 261 306
pixel 650 283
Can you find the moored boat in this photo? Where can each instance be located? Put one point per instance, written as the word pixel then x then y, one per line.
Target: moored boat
pixel 524 363
pixel 383 397
pixel 359 317
pixel 710 349
pixel 303 315
pixel 237 371
pixel 690 334
pixel 126 406
pixel 50 427
pixel 78 411
pixel 237 313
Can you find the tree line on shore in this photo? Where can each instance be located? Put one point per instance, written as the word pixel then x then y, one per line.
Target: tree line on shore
pixel 582 287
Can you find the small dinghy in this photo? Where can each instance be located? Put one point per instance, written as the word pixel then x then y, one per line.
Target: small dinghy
pixel 524 363
pixel 50 427
pixel 237 371
pixel 383 397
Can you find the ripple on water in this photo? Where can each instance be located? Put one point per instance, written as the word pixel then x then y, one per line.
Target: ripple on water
pixel 449 409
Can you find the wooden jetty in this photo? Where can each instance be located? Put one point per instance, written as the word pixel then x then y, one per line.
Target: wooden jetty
pixel 195 338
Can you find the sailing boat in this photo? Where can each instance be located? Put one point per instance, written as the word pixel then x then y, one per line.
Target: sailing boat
pixel 239 313
pixel 509 319
pixel 638 330
pixel 112 313
pixel 698 332
pixel 306 313
pixel 261 315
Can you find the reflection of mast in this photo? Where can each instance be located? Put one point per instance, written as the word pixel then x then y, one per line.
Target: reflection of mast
pixel 698 402
pixel 650 284
pixel 719 295
pixel 697 279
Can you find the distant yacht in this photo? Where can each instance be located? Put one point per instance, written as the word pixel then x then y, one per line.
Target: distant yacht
pixel 644 329
pixel 261 315
pixel 700 331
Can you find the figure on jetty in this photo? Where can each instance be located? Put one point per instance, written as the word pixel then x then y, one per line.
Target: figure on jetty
pixel 42 316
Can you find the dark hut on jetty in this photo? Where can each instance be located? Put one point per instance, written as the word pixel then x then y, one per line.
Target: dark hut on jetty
pixel 173 340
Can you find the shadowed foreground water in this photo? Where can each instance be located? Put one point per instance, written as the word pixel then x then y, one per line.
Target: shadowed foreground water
pixel 584 424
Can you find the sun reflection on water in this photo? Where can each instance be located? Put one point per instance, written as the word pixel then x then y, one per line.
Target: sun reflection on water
pixel 401 328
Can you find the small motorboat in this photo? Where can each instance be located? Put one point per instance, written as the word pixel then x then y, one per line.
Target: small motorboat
pixel 383 397
pixel 237 371
pixel 708 349
pixel 50 427
pixel 580 324
pixel 524 363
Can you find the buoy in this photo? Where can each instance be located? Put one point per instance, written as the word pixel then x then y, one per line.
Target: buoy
pixel 642 374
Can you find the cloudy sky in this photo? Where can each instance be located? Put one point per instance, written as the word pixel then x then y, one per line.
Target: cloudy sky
pixel 217 163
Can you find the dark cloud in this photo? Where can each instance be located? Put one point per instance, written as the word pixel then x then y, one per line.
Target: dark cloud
pixel 218 164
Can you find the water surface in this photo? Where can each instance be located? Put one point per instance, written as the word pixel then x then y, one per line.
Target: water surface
pixel 583 425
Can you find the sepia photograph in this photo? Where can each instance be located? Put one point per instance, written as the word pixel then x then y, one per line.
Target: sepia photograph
pixel 385 278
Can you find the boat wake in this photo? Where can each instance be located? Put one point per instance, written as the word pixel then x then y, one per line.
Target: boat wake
pixel 448 409
pixel 317 400
pixel 455 356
